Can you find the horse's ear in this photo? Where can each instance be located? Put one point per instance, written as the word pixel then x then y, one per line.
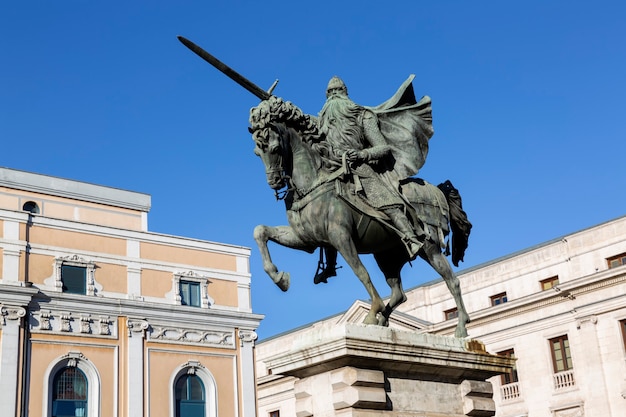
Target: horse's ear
pixel 250 130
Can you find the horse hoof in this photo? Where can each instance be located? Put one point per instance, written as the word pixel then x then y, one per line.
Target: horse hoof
pixel 382 320
pixel 284 280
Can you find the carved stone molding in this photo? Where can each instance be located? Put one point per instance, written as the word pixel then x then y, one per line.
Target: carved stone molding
pixel 247 336
pixel 192 367
pixel 66 319
pixel 592 319
pixel 85 323
pixel 192 336
pixel 104 325
pixel 44 320
pixel 73 358
pixel 13 313
pixel 137 327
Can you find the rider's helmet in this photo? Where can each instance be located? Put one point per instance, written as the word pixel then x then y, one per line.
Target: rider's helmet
pixel 336 85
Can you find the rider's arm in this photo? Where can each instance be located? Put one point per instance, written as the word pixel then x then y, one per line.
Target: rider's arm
pixel 378 145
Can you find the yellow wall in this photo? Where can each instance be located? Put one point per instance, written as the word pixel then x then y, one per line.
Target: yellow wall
pixel 74 240
pixel 113 278
pixel 40 268
pixel 155 283
pixel 70 209
pixel 224 293
pixel 188 256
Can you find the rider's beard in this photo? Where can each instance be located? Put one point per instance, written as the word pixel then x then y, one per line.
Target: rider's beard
pixel 339 121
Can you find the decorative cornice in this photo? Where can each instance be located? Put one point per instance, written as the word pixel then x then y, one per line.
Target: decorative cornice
pixel 192 336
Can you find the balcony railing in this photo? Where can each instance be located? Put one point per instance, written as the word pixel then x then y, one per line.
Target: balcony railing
pixel 563 380
pixel 509 391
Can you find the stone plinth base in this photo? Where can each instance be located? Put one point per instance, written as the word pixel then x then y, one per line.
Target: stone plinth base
pixel 363 371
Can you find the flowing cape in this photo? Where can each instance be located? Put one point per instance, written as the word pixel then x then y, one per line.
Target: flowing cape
pixel 407 126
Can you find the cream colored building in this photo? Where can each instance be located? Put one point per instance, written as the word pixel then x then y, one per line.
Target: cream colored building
pixel 102 318
pixel 558 307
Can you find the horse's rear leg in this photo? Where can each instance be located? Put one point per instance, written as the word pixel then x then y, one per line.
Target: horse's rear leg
pixel 431 253
pixel 391 263
pixel 283 235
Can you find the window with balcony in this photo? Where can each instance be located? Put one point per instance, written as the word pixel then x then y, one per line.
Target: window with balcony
pixel 549 283
pixel 498 299
pixel 509 382
pixel 451 314
pixel 562 362
pixel 617 260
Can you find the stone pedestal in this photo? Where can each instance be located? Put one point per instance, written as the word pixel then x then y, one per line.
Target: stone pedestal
pixel 362 371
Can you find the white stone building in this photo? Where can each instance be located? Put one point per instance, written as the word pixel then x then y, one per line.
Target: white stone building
pixel 558 307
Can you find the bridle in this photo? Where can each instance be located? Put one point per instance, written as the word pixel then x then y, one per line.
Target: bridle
pixel 272 143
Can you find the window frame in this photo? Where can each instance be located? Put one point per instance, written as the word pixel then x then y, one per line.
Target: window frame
pixel 72 360
pixel 512 375
pixel 191 277
pixel 622 326
pixel 621 258
pixel 451 313
pixel 91 288
pixel 501 296
pixel 566 359
pixel 553 281
pixel 188 382
pixel 210 387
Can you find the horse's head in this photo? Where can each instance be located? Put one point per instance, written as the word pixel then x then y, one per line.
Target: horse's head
pixel 270 148
pixel 279 130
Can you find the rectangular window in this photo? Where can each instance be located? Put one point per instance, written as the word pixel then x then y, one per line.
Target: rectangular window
pixel 451 314
pixel 498 299
pixel 549 283
pixel 511 376
pixel 561 356
pixel 190 293
pixel 622 325
pixel 74 279
pixel 616 261
pixel 274 413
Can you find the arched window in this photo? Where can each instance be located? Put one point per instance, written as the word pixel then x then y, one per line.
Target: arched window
pixel 193 391
pixel 71 387
pixel 69 393
pixel 190 396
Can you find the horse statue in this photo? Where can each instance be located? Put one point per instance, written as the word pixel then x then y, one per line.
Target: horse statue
pixel 320 215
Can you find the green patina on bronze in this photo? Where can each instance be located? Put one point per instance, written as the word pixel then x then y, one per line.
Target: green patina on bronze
pixel 347 178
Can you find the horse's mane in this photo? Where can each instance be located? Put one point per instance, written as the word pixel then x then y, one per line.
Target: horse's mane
pixel 276 110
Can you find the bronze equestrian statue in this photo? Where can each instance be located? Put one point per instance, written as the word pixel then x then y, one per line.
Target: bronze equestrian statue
pixel 347 180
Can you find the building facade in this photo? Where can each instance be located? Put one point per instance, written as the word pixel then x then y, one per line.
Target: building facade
pixel 558 307
pixel 100 317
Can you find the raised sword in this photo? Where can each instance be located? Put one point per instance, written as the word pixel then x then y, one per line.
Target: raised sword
pixel 228 71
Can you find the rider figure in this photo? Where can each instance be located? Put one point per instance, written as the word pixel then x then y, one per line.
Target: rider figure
pixel 353 133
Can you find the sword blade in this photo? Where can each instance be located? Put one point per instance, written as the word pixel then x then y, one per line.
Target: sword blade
pixel 226 70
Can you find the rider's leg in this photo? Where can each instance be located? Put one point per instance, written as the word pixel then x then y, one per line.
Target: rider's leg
pixel 413 235
pixel 329 269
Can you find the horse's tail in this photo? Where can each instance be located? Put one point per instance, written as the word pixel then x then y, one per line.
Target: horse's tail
pixel 459 224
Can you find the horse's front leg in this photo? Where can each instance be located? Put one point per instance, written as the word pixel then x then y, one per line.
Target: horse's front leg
pixel 284 236
pixel 342 241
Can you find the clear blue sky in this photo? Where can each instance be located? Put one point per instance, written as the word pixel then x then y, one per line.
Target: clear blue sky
pixel 528 106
